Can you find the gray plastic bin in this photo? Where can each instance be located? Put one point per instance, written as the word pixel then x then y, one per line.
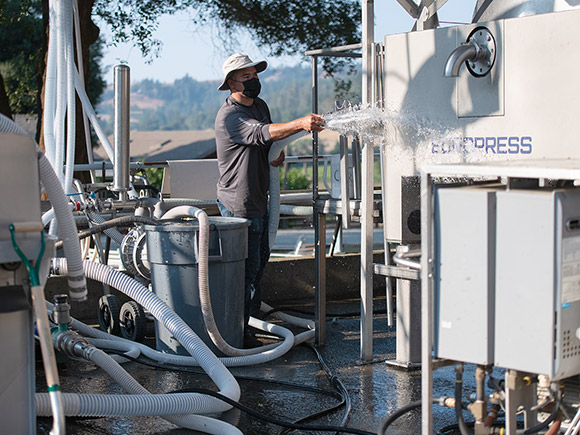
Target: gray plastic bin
pixel 172 251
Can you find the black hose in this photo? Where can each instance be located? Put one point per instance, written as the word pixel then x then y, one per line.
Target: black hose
pixel 543 425
pixel 171 368
pixel 399 412
pixel 267 418
pixel 458 401
pixel 342 396
pixel 117 222
pixel 336 382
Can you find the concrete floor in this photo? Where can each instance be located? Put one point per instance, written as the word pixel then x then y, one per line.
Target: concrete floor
pixel 376 389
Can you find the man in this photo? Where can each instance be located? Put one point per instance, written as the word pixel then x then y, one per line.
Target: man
pixel 244 133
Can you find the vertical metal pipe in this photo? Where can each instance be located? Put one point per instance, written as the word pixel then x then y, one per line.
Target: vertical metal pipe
pixel 345 176
pixel 356 167
pixel 366 270
pixel 319 227
pixel 314 134
pixel 427 304
pixel 121 128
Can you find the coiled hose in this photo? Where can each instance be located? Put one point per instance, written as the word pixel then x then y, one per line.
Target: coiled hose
pixel 204 295
pixel 140 402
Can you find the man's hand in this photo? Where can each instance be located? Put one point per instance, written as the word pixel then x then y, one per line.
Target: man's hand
pixel 312 122
pixel 279 160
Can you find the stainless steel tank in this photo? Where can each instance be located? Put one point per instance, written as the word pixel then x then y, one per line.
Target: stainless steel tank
pixel 486 10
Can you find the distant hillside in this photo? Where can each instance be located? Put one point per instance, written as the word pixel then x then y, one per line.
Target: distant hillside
pixel 188 104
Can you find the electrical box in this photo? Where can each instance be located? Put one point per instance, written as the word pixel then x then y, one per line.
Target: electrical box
pixel 537 319
pixel 464 272
pixel 20 193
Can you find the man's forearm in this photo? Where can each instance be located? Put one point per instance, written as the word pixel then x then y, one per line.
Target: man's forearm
pixel 283 130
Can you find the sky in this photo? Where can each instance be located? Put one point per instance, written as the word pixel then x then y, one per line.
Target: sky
pixel 196 51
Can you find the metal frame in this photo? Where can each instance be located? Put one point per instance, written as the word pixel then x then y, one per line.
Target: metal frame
pixel 319 212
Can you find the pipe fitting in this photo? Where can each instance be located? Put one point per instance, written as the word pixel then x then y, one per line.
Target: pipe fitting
pixel 72 344
pixel 61 311
pixel 402 254
pixel 478 53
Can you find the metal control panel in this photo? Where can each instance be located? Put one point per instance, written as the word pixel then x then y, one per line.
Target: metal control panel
pixel 537 319
pixel 464 273
pixel 20 193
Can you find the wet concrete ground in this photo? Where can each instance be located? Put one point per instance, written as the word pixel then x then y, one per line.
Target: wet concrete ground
pixel 375 390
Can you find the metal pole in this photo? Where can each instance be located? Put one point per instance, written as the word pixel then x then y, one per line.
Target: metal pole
pixel 366 271
pixel 426 304
pixel 121 127
pixel 319 227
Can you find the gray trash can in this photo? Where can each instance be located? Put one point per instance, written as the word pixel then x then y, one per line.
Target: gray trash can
pixel 172 252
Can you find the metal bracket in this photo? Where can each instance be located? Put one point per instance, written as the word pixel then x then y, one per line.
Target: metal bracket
pixel 423 12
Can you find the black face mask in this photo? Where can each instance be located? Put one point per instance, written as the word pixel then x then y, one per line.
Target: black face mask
pixel 252 88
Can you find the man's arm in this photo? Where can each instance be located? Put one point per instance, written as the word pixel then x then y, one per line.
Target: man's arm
pixel 312 122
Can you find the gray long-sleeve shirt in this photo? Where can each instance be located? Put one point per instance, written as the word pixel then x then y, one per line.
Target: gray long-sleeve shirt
pixel 242 144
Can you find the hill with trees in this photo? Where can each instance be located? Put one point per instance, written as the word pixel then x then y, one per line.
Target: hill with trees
pixel 188 104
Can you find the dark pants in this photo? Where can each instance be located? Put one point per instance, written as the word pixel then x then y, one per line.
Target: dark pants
pixel 258 255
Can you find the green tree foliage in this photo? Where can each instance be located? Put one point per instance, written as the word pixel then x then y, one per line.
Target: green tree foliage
pixel 295 180
pixel 20 63
pixel 283 26
pixel 21 35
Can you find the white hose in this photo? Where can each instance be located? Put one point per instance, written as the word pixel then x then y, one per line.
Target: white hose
pixel 168 405
pixel 295 210
pixel 181 360
pixel 86 103
pixel 48 216
pixel 128 349
pixel 50 88
pixel 80 68
pixel 159 309
pixel 72 249
pixel 59 117
pixel 71 99
pixel 49 361
pixel 203 284
pixel 293 320
pixel 167 204
pixel 67 228
pixel 274 207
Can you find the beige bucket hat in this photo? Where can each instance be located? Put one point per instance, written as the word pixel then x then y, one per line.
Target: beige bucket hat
pixel 236 62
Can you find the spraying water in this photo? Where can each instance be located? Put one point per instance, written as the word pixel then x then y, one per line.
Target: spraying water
pixel 407 138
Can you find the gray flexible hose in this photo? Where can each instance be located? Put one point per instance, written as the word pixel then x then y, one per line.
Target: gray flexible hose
pixel 204 293
pixel 142 402
pixel 182 332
